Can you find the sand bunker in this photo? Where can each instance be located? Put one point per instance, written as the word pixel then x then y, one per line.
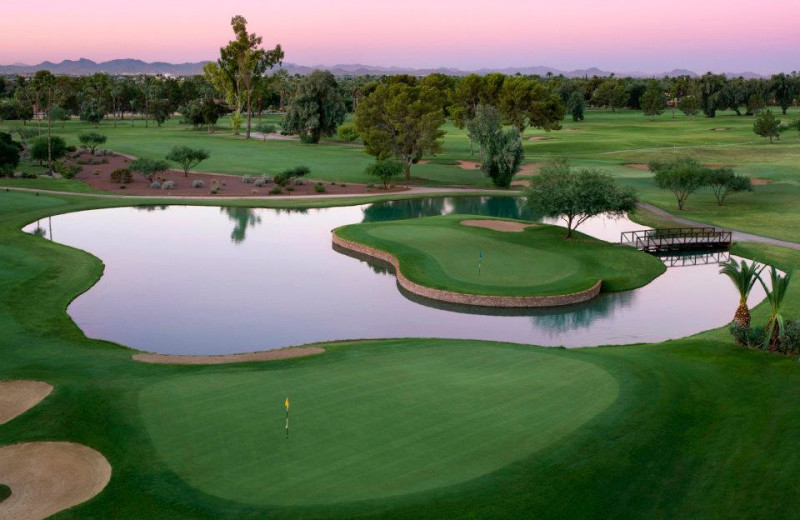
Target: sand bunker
pixel 269 355
pixel 469 165
pixel 497 225
pixel 755 181
pixel 638 166
pixel 48 477
pixel 722 129
pixel 16 397
pixel 539 138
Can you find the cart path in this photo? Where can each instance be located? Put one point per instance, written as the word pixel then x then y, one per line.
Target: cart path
pixel 738 236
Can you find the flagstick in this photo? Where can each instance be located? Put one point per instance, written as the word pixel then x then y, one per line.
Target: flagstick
pixel 286 403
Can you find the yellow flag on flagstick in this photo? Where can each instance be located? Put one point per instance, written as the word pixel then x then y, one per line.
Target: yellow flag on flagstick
pixel 286 404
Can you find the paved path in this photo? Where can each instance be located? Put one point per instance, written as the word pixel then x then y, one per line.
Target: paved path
pixel 738 236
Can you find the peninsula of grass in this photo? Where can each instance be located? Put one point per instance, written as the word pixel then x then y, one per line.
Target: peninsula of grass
pixel 445 253
pixel 691 428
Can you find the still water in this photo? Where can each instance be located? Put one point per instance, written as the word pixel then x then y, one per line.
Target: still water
pixel 205 280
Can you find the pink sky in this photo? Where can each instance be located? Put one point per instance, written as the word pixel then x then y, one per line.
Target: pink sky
pixel 622 35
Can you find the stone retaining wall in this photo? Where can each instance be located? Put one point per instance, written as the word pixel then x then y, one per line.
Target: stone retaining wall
pixel 481 300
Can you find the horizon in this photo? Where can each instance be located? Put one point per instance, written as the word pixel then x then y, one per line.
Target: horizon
pixel 632 38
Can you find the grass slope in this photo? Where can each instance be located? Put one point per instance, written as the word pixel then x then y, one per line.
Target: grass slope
pixel 442 253
pixel 700 428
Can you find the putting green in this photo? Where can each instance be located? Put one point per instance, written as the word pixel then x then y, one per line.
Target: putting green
pixel 370 421
pixel 442 253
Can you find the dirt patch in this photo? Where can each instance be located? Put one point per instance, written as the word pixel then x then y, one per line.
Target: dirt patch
pixel 469 165
pixel 274 136
pixel 755 181
pixel 638 166
pixel 498 225
pixel 522 183
pixel 722 129
pixel 98 177
pixel 16 397
pixel 539 138
pixel 269 355
pixel 529 170
pixel 48 477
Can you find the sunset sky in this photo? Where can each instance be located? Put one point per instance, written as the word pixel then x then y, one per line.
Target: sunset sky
pixel 620 35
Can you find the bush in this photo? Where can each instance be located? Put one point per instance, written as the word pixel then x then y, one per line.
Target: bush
pixel 247 179
pixel 214 191
pixel 149 168
pixel 102 152
pixel 319 187
pixel 197 183
pixel 299 182
pixel 267 128
pixel 122 176
pixel 348 132
pixel 65 170
pixel 290 188
pixel 261 181
pixel 96 171
pixel 276 190
pixel 91 140
pixel 155 185
pixel 286 176
pixel 747 337
pixel 790 341
pixel 169 185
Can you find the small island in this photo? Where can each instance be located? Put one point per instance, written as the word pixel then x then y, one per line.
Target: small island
pixel 494 262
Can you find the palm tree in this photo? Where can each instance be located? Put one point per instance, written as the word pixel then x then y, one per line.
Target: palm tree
pixel 775 296
pixel 743 276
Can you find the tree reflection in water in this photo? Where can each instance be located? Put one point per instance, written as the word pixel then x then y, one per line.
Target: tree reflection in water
pixel 506 207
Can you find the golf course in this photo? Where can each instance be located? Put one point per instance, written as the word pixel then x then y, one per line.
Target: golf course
pixel 221 412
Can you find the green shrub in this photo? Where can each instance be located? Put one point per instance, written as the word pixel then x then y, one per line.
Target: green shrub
pixel 5 492
pixel 286 176
pixel 319 187
pixel 169 185
pixel 275 191
pixel 65 170
pixel 790 341
pixel 155 185
pixel 348 132
pixel 122 176
pixel 748 337
pixel 197 183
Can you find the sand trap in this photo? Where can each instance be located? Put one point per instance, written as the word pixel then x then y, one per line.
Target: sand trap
pixel 48 477
pixel 722 129
pixel 469 165
pixel 759 182
pixel 16 397
pixel 268 355
pixel 638 166
pixel 522 183
pixel 498 225
pixel 539 138
pixel 528 170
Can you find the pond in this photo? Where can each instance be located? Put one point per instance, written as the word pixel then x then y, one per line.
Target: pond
pixel 209 280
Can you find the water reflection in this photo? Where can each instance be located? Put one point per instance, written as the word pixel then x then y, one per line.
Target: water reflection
pixel 506 207
pixel 243 219
pixel 275 281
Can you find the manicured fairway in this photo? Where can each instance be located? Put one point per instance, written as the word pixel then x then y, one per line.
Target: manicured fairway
pixel 374 421
pixel 442 253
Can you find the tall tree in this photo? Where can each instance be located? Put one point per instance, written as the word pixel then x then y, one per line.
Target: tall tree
pixel 682 177
pixel 316 109
pixel 785 89
pixel 576 106
pixel 464 101
pixel 653 100
pixel 766 125
pixel 501 156
pixel 402 121
pixel 559 191
pixel 724 182
pixel 486 122
pixel 240 65
pixel 710 87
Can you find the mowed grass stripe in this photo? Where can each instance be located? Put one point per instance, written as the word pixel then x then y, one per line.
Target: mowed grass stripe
pixel 369 426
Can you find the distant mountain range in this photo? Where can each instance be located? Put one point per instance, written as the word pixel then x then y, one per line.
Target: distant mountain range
pixel 83 67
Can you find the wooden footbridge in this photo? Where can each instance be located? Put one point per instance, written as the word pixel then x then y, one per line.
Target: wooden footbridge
pixel 677 239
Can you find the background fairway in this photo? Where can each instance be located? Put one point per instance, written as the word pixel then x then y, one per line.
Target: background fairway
pixel 373 422
pixel 442 253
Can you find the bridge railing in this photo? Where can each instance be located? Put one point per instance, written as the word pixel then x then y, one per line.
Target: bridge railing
pixel 672 239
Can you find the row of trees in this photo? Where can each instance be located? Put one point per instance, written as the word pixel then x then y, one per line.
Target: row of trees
pixel 684 176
